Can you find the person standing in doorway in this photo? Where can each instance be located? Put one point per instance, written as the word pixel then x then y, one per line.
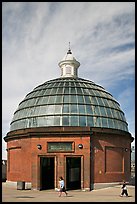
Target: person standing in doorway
pixel 62 186
pixel 124 189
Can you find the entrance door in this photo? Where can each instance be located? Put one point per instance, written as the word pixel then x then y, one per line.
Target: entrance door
pixel 73 170
pixel 47 173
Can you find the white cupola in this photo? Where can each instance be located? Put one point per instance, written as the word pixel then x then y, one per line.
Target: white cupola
pixel 69 65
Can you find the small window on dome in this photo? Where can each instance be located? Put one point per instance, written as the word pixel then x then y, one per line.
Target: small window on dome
pixel 68 70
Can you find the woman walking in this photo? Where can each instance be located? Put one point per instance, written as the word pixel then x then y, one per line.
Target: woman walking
pixel 62 186
pixel 124 189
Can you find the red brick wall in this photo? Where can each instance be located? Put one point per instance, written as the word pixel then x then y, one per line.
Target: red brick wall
pixel 24 156
pixel 28 161
pixel 118 158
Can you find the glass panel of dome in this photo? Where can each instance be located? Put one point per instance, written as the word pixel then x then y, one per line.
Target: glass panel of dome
pixel 120 115
pixel 50 121
pixel 90 121
pixel 95 99
pixel 79 91
pixel 98 122
pixel 53 91
pixel 42 121
pixel 50 109
pixel 72 84
pixel 21 113
pixel 81 109
pixel 19 124
pixel 114 113
pixel 87 100
pixel 32 94
pixel 55 84
pixel 110 103
pixel 27 111
pixel 97 110
pixel 21 104
pixel 60 90
pixel 74 121
pixel 66 108
pixel 94 92
pixel 51 99
pixel 66 99
pixel 104 122
pixel 86 91
pixel 110 123
pixel 66 90
pixel 100 102
pixel 57 121
pixel 61 84
pixel 45 100
pixel 72 90
pixel 40 101
pixel 116 105
pixel 89 110
pixel 82 121
pixel 41 92
pixel 66 84
pixel 105 102
pixel 36 110
pixel 42 110
pixel 80 99
pixel 116 123
pixel 58 99
pixel 49 85
pixel 109 113
pixel 73 99
pixel 120 125
pixel 103 111
pixel 91 92
pixel 58 108
pixel 73 109
pixel 65 120
pixel 25 104
pixel 48 91
pixel 34 122
pixel 99 93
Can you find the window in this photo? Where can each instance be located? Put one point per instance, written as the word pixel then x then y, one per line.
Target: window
pixel 68 70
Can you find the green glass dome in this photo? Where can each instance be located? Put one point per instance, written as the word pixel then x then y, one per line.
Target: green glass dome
pixel 69 101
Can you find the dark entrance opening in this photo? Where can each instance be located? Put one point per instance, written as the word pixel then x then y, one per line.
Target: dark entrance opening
pixel 46 173
pixel 73 170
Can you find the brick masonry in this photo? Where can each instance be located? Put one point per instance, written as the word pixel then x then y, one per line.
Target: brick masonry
pixel 105 156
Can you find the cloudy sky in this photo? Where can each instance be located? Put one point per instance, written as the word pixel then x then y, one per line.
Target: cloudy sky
pixel 36 36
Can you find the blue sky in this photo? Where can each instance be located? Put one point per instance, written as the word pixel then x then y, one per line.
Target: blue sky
pixel 36 36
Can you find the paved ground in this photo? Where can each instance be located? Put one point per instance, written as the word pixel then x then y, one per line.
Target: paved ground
pixel 110 194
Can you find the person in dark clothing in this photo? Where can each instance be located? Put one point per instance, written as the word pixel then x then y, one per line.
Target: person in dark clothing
pixel 124 189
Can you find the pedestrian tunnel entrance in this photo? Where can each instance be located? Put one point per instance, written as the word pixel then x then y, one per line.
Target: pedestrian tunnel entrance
pixel 73 173
pixel 46 173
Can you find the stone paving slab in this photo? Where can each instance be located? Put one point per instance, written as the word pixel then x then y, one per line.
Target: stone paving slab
pixel 110 194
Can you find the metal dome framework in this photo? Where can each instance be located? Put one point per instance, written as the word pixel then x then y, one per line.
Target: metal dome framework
pixel 69 102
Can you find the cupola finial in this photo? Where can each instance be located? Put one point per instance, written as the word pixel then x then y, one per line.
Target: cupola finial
pixel 69 50
pixel 69 65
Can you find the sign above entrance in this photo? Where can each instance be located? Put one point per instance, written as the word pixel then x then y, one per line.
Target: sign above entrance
pixel 60 146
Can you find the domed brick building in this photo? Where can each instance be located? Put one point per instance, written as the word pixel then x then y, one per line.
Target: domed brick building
pixel 68 127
